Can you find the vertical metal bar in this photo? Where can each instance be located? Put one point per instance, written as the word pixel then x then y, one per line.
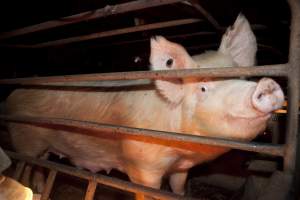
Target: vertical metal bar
pixel 90 191
pixel 140 196
pixel 293 87
pixel 49 185
pixel 291 164
pixel 19 170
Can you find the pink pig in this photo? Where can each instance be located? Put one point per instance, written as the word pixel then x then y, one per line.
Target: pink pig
pixel 233 109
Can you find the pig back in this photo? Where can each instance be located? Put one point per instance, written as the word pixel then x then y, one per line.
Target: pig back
pixel 117 106
pixel 140 108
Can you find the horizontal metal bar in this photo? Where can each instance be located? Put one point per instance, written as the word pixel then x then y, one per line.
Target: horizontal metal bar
pixel 202 33
pixel 179 140
pixel 267 70
pixel 117 32
pixel 89 15
pixel 105 180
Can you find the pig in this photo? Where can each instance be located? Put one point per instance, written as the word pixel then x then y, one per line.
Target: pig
pixel 13 190
pixel 238 48
pixel 223 108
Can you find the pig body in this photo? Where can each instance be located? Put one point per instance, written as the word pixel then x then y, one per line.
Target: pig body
pixel 142 109
pixel 234 109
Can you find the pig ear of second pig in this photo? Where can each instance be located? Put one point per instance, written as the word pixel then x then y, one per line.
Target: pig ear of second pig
pixel 239 41
pixel 172 89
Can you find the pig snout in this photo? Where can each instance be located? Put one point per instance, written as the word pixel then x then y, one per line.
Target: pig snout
pixel 267 96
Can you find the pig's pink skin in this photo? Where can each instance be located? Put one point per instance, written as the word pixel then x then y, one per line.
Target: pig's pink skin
pixel 223 110
pixel 216 108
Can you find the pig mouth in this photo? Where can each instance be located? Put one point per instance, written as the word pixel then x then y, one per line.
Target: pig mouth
pixel 258 118
pixel 265 116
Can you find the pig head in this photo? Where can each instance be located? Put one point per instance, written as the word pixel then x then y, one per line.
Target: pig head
pixel 223 108
pixel 235 109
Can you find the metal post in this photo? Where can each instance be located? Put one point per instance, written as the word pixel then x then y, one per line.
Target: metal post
pixel 19 170
pixel 90 191
pixel 291 164
pixel 49 185
pixel 293 87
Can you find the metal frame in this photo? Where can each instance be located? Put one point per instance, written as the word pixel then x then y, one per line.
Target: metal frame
pixel 291 70
pixel 101 179
pixel 89 15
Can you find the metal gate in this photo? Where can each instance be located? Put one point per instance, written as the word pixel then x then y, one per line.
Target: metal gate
pixel 289 70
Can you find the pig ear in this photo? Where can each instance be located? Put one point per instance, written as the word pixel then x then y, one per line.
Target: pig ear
pixel 171 90
pixel 239 41
pixel 166 55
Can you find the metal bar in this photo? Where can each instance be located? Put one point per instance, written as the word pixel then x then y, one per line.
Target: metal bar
pixel 203 33
pixel 267 70
pixel 179 140
pixel 117 32
pixel 89 15
pixel 293 88
pixel 206 14
pixel 292 147
pixel 90 191
pixel 49 184
pixel 140 196
pixel 19 170
pixel 105 180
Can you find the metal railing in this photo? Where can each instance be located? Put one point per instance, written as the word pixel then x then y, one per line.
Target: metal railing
pixel 291 71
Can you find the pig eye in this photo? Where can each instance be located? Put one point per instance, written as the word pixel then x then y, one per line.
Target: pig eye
pixel 169 62
pixel 203 89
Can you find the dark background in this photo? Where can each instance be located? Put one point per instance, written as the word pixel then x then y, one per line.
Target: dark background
pixel 270 20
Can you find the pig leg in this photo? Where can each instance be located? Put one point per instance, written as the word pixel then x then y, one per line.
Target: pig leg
pixel 146 178
pixel 177 182
pixel 21 134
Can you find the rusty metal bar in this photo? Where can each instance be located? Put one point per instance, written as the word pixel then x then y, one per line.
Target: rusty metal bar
pixel 267 70
pixel 293 87
pixel 202 33
pixel 105 180
pixel 179 140
pixel 117 32
pixel 19 170
pixel 49 184
pixel 206 14
pixel 89 15
pixel 90 191
pixel 292 147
